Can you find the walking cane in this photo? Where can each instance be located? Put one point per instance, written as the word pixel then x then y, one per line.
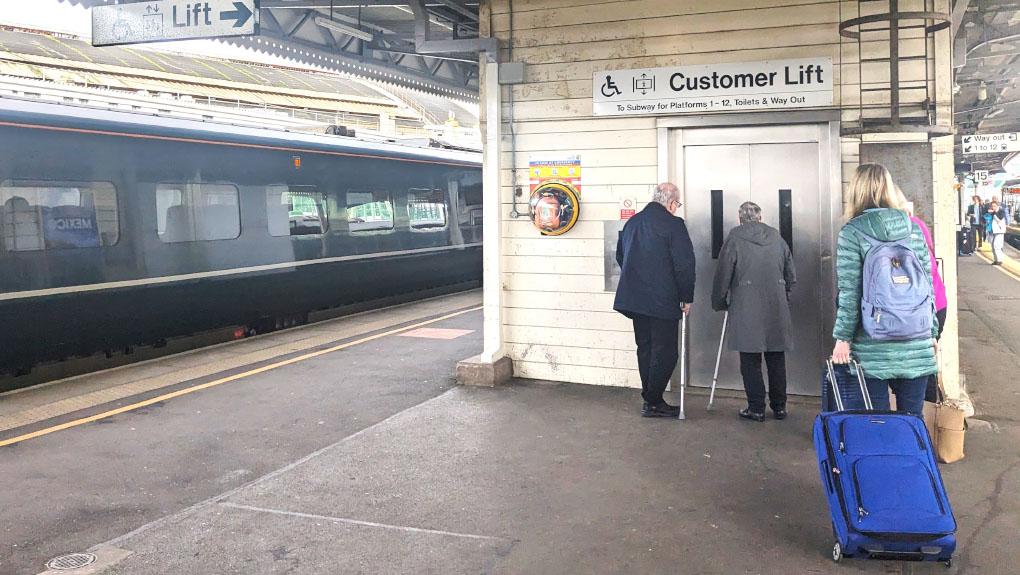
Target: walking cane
pixel 683 363
pixel 718 356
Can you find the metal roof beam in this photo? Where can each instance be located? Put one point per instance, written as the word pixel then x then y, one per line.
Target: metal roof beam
pixel 273 22
pixel 959 11
pixel 374 68
pixel 288 4
pixel 425 45
pixel 301 22
pixel 459 8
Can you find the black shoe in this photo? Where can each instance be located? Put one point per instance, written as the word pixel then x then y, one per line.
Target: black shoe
pixel 659 410
pixel 779 413
pixel 746 413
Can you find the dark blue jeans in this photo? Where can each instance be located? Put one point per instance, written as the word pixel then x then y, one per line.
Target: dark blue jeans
pixel 909 393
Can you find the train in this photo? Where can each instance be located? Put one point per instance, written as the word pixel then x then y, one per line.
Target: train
pixel 122 229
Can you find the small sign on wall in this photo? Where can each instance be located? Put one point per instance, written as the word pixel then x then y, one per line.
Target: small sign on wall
pixel 628 207
pixel 566 170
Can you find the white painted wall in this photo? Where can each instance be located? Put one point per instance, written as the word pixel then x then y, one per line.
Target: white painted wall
pixel 558 321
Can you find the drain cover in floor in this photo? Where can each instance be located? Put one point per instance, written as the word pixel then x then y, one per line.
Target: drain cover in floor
pixel 71 561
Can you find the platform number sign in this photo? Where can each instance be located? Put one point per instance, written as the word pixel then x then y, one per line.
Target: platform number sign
pixel 981 176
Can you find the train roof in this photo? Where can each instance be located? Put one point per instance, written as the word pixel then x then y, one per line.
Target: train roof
pixel 15 111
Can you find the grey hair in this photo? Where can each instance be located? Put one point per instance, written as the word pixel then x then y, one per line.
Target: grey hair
pixel 749 212
pixel 665 193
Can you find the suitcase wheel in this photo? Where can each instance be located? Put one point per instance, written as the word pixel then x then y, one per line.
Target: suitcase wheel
pixel 837 551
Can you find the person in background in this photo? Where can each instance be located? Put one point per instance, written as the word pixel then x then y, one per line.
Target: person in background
pixel 1005 206
pixel 975 215
pixel 656 260
pixel 753 281
pixel 996 222
pixel 906 363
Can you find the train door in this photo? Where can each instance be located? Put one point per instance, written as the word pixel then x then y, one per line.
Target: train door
pixel 784 170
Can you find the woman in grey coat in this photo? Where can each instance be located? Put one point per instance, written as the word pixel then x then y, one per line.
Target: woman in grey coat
pixel 753 281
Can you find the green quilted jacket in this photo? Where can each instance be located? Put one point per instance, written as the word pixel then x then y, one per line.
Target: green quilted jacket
pixel 880 359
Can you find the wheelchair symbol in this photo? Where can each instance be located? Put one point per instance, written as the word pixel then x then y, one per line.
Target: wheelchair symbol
pixel 609 89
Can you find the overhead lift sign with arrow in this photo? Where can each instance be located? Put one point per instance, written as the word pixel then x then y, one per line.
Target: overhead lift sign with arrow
pixel 161 20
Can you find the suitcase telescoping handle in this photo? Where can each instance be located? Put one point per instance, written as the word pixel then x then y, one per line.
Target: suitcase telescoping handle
pixel 856 368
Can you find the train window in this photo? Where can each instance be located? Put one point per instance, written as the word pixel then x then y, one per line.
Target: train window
pixel 197 211
pixel 295 211
pixel 469 191
pixel 367 211
pixel 38 215
pixel 426 209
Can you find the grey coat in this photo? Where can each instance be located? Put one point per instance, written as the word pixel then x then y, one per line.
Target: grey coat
pixel 752 280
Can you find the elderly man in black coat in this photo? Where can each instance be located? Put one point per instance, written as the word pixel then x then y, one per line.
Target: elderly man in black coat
pixel 753 280
pixel 656 285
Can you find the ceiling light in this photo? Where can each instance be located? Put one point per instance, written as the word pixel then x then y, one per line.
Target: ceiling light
pixel 982 94
pixel 343 28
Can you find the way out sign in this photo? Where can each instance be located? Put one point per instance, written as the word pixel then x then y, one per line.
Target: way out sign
pixel 161 20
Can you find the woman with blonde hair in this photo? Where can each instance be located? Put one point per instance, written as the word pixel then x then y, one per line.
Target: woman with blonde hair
pixel 886 312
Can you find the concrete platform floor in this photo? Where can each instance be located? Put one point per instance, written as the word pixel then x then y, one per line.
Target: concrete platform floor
pixel 541 478
pixel 70 489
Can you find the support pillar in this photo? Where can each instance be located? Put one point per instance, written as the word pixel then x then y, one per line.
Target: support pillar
pixel 492 367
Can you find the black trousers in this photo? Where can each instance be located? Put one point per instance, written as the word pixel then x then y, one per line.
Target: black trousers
pixel 657 354
pixel 754 385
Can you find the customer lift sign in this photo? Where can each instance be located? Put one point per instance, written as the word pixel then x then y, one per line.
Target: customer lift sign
pixel 775 84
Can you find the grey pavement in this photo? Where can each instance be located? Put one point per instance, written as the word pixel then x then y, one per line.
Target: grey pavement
pixel 69 490
pixel 545 478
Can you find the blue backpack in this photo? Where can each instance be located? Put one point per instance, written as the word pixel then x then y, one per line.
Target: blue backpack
pixel 896 303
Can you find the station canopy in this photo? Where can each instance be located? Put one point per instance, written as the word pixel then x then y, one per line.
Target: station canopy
pixel 986 58
pixel 425 44
pixel 314 62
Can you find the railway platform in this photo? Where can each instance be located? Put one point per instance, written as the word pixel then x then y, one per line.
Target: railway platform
pixel 345 447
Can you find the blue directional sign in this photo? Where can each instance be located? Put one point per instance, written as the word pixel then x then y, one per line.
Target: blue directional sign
pixel 161 20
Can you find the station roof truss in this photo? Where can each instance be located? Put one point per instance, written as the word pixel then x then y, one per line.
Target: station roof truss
pixel 986 60
pixel 425 45
pixel 314 95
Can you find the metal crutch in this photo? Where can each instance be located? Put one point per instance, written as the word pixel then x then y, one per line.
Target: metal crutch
pixel 683 363
pixel 718 357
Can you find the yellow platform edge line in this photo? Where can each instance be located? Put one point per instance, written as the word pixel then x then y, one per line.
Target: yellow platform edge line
pixel 235 377
pixel 1009 266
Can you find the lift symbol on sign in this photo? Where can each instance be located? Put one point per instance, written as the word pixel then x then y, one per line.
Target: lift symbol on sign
pixel 153 20
pixel 644 84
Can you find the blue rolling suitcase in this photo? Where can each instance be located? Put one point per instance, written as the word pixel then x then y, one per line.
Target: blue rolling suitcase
pixel 878 468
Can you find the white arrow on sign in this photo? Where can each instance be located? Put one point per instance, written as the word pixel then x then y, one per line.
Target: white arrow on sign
pixel 160 20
